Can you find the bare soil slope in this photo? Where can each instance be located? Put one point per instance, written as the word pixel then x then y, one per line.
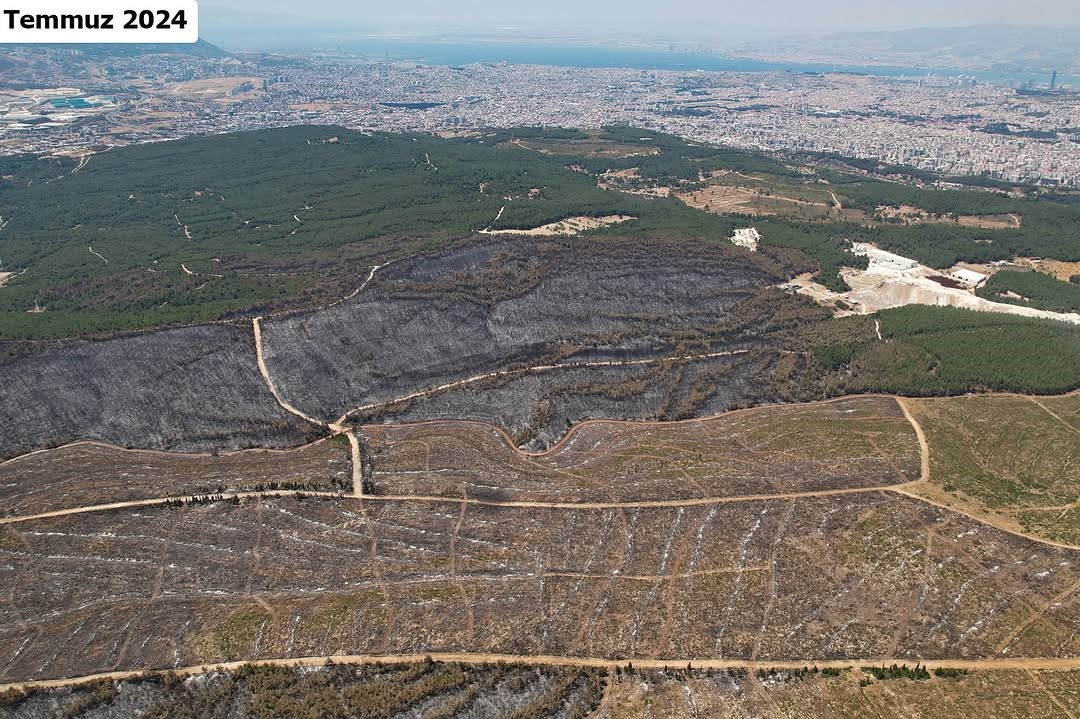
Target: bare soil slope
pixel 851 576
pixel 859 442
pixel 87 474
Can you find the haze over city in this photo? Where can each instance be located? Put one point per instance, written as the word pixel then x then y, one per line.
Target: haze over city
pixel 689 19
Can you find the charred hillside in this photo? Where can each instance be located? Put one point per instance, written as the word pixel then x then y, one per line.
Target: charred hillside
pixel 189 389
pixel 504 308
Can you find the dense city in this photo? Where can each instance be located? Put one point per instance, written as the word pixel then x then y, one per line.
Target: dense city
pixel 949 125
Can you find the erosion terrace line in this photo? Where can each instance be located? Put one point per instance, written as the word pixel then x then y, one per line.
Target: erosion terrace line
pixel 904 488
pixel 339 427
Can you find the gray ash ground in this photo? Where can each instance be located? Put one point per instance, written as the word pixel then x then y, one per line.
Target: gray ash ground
pixel 187 389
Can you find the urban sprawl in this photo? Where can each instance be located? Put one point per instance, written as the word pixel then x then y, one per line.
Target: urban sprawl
pixel 953 126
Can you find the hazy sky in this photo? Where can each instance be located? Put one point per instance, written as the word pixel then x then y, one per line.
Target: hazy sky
pixel 649 18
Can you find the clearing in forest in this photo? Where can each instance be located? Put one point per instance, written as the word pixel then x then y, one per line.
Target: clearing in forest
pixel 568 226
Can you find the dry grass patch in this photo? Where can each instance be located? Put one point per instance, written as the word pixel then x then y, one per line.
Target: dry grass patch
pixel 854 443
pixel 1012 460
pixel 593 147
pixel 87 474
pixel 216 88
pixel 914 215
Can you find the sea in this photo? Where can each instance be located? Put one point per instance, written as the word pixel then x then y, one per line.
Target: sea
pixel 453 53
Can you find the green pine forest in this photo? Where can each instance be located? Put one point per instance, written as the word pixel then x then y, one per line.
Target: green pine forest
pixel 226 227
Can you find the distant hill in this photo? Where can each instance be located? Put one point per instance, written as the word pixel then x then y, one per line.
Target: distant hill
pixel 1007 48
pixel 199 49
pixel 42 65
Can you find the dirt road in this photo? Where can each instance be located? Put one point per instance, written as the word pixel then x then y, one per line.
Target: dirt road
pixel 989 521
pixel 908 489
pixel 650 504
pixel 363 284
pixel 357 474
pixel 1011 664
pixel 924 447
pixel 257 329
pixel 156 501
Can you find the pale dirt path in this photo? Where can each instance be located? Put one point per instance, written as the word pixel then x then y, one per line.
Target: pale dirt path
pixel 924 447
pixel 95 254
pixel 357 475
pixel 1049 694
pixel 335 428
pixel 911 489
pixel 1054 414
pixel 877 330
pixel 257 328
pixel 671 577
pixel 364 284
pixel 187 231
pixel 162 452
pixel 1035 616
pixel 986 520
pixel 1012 664
pixel 572 506
pixel 157 501
pixel 424 499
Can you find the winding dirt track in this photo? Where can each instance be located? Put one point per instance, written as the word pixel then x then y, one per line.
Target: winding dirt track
pixel 257 328
pixel 903 489
pixel 907 489
pixel 95 254
pixel 364 284
pixel 1013 664
pixel 162 452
